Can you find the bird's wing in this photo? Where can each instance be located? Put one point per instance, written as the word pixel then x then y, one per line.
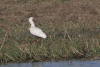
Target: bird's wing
pixel 37 32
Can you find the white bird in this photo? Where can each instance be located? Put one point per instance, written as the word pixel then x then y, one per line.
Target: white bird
pixel 36 31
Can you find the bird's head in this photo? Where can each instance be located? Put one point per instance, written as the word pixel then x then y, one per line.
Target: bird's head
pixel 31 18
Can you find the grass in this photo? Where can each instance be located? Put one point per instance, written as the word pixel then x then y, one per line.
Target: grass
pixel 66 40
pixel 19 45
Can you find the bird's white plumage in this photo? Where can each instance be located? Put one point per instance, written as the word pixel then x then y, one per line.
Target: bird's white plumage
pixel 36 31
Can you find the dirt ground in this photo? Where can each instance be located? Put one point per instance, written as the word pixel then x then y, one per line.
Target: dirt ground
pixel 49 11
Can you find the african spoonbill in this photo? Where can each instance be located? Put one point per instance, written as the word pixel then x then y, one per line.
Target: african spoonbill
pixel 35 30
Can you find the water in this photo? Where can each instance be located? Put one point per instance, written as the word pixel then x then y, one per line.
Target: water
pixel 69 63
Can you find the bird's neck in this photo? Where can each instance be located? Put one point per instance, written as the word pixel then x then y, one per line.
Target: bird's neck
pixel 32 24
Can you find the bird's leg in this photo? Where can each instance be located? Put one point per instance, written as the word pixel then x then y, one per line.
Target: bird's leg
pixel 38 40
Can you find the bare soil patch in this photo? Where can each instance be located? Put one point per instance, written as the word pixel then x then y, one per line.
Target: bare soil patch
pixel 49 11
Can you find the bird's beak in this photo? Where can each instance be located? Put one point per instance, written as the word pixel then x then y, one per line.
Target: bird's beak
pixel 38 22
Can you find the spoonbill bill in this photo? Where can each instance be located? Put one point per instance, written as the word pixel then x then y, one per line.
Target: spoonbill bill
pixel 35 30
